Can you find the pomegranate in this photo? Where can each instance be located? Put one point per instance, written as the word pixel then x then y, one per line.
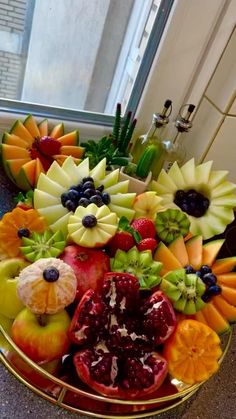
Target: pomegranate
pixel 159 320
pixel 89 266
pixel 119 357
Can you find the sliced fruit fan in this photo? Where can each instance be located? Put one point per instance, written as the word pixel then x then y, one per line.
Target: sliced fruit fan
pixel 110 299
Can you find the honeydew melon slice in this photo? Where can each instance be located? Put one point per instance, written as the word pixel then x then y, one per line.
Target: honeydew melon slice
pixel 31 126
pixel 120 187
pixel 70 139
pixel 52 213
pixel 110 179
pixel 56 173
pixel 167 182
pixel 13 152
pixel 194 250
pixel 12 139
pixel 43 199
pixel 229 294
pixel 70 169
pixel 166 257
pixel 50 186
pixel 178 249
pixel 216 224
pixel 217 177
pixel 198 227
pixel 125 200
pixel 224 188
pixel 61 224
pixel 99 171
pixel 225 214
pixel 57 131
pixel 176 175
pixel 122 211
pixel 60 158
pixel 215 319
pixel 228 279
pixel 222 266
pixel 210 251
pixel 72 150
pixel 158 188
pixel 20 130
pixel 226 201
pixel 82 169
pixel 43 128
pixel 223 307
pixel 27 173
pixel 202 172
pixel 189 173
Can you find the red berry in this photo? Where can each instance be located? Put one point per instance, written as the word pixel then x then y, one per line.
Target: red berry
pixel 147 244
pixel 122 240
pixel 145 227
pixel 49 146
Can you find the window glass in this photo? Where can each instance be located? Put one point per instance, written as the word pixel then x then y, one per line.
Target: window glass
pixel 76 54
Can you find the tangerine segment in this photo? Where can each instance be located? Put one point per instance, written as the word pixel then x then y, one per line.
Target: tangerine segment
pixel 192 352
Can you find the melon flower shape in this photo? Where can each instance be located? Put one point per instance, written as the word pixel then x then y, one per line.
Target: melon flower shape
pixel 63 188
pixel 218 308
pixel 204 194
pixel 15 225
pixel 30 148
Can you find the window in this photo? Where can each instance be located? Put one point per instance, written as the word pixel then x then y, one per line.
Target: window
pixel 77 55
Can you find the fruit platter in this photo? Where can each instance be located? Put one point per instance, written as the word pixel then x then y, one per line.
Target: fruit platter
pixel 113 303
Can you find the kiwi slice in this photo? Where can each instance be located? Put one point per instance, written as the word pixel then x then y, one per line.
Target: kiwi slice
pixel 139 264
pixel 43 245
pixel 184 290
pixel 171 223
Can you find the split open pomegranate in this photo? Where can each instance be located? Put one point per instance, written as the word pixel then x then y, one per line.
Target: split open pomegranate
pixel 118 332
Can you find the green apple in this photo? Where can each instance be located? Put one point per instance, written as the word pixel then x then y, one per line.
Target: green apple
pixel 42 338
pixel 10 304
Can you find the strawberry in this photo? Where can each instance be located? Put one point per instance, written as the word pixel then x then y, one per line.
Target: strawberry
pixel 147 244
pixel 49 146
pixel 145 227
pixel 122 240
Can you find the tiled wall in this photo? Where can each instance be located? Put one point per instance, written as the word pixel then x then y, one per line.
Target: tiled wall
pixel 213 136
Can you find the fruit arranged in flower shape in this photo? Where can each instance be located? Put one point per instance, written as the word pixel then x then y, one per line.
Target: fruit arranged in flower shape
pixel 49 196
pixel 17 224
pixel 10 304
pixel 43 245
pixel 139 264
pixel 30 149
pixel 47 286
pixel 171 223
pixel 204 194
pixel 192 352
pixel 92 226
pixel 147 204
pixel 220 294
pixel 117 334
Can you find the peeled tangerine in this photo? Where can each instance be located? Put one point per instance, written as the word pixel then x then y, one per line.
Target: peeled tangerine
pixel 192 352
pixel 47 286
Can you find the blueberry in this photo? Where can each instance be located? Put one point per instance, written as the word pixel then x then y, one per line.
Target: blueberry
pixel 205 269
pixel 214 290
pixel 192 195
pixel 73 195
pixel 180 194
pixel 198 212
pixel 51 274
pixel 87 179
pixel 23 232
pixel 88 193
pixel 189 269
pixel 205 204
pixel 185 208
pixel 106 198
pixel 88 185
pixel 97 200
pixel 84 202
pixel 198 273
pixel 64 198
pixel 89 221
pixel 209 279
pixel 100 188
pixel 70 205
pixel 206 297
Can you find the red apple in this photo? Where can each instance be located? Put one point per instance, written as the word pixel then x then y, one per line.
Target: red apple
pixel 89 266
pixel 42 338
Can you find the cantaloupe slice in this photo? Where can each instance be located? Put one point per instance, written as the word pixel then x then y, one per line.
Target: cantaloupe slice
pixel 228 279
pixel 13 152
pixel 12 139
pixel 15 165
pixel 38 169
pixel 229 294
pixel 57 131
pixel 60 158
pixel 194 250
pixel 210 250
pixel 27 173
pixel 222 266
pixel 214 319
pixel 72 138
pixel 43 128
pixel 72 150
pixel 226 309
pixel 199 317
pixel 164 255
pixel 20 130
pixel 31 125
pixel 177 247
